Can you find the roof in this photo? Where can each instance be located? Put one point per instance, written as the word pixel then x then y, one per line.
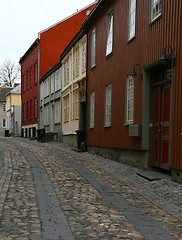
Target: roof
pixel 70 16
pixel 94 12
pixel 3 92
pixel 34 44
pixel 16 90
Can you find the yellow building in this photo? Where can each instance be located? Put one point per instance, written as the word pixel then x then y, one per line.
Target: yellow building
pixel 13 111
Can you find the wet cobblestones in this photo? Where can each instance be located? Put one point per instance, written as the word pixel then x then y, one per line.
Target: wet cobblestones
pixel 83 184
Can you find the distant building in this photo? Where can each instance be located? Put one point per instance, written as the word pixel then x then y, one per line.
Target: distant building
pixel 43 55
pixel 29 90
pixel 50 103
pixel 13 111
pixel 3 92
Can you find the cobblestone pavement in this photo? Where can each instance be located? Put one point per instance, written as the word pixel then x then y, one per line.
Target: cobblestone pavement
pixel 49 191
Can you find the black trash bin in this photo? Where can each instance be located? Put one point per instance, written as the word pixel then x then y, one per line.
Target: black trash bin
pixel 40 134
pixel 6 133
pixel 80 137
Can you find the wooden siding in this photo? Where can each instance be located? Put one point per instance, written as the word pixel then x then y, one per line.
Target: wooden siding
pixel 145 49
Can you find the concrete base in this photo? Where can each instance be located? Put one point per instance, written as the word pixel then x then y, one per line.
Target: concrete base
pixel 176 175
pixel 129 157
pixel 70 140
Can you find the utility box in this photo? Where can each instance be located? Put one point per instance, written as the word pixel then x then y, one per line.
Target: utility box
pixel 135 130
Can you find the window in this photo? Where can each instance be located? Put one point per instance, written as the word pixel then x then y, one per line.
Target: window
pixel 27 80
pixel 130 100
pixel 108 105
pixel 3 107
pixel 75 104
pixel 52 82
pixel 66 72
pixel 109 44
pixel 132 19
pixel 66 108
pixel 77 61
pixel 92 110
pixel 93 47
pixel 30 108
pixel 156 9
pixel 57 113
pixel 30 77
pixel 84 57
pixel 27 111
pixel 35 73
pixel 35 107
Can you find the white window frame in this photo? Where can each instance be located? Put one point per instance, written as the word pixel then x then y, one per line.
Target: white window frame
pixel 66 108
pixel 108 105
pixel 4 107
pixel 76 104
pixel 84 45
pixel 132 19
pixel 77 61
pixel 92 110
pixel 130 95
pixel 156 9
pixel 110 29
pixel 93 48
pixel 52 82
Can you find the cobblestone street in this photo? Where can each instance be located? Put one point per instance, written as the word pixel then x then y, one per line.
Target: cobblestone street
pixel 50 192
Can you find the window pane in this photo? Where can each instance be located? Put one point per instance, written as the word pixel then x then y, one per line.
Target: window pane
pixel 130 100
pixel 93 47
pixel 156 9
pixel 108 106
pixel 92 109
pixel 109 33
pixel 132 19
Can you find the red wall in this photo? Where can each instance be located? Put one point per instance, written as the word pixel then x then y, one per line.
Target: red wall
pixel 54 40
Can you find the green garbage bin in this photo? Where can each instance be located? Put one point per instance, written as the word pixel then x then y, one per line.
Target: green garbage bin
pixel 80 137
pixel 6 133
pixel 40 134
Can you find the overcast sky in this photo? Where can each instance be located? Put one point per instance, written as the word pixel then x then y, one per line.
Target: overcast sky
pixel 21 21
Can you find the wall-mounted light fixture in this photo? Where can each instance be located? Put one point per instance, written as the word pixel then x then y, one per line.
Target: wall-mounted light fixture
pixel 133 72
pixel 168 54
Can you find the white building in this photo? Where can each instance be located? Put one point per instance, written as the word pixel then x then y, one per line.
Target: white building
pixel 50 103
pixel 73 61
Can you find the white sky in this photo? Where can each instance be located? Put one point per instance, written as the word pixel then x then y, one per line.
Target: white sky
pixel 21 20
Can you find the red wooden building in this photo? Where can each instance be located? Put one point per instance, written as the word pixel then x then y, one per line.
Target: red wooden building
pixel 134 86
pixel 29 90
pixel 43 54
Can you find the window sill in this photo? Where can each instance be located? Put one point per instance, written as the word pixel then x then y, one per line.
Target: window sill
pixel 109 55
pixel 128 124
pixel 152 21
pixel 131 39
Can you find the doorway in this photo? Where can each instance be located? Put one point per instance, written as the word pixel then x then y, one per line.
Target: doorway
pixel 161 125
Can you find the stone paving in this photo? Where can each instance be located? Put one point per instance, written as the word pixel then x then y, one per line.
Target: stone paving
pixel 54 190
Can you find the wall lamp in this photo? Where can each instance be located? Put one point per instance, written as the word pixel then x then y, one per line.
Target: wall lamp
pixel 133 72
pixel 168 50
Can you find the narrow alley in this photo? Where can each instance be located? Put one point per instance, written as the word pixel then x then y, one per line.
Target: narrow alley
pixel 50 192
